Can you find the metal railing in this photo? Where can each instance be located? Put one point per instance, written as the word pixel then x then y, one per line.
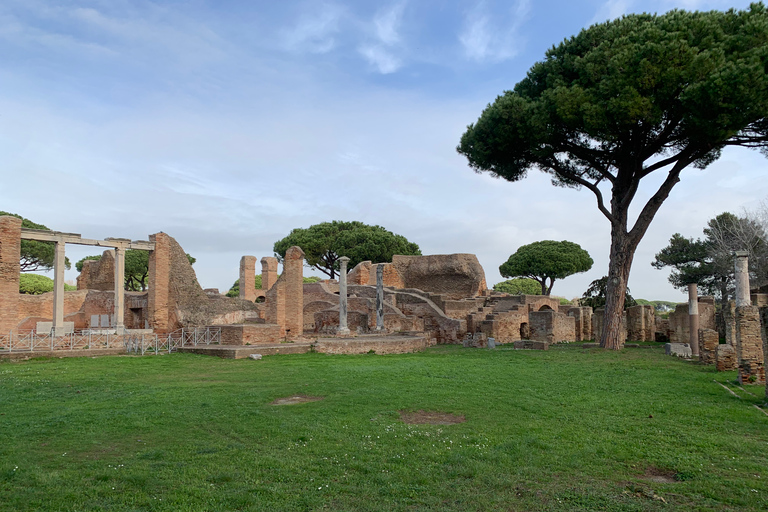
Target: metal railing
pixel 95 339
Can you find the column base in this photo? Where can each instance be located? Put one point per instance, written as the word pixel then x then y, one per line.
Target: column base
pixel 343 331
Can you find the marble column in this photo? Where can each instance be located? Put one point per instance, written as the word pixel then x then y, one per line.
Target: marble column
pixel 741 266
pixel 119 311
pixel 58 289
pixel 343 329
pixel 380 297
pixel 693 317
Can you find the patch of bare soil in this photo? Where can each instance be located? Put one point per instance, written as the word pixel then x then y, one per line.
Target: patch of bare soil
pixel 430 418
pixel 297 399
pixel 658 475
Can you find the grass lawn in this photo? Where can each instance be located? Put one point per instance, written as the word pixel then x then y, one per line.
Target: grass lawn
pixel 565 429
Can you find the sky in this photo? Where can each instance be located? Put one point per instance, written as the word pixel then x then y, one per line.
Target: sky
pixel 227 123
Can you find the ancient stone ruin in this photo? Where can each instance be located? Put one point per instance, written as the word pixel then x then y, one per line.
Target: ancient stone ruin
pixel 407 304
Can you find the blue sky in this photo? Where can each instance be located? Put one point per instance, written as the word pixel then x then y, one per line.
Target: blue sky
pixel 228 123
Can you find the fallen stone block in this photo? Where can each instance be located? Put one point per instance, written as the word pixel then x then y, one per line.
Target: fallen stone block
pixel 678 349
pixel 254 356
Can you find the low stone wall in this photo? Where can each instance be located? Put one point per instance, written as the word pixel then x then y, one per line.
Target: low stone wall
pixel 243 334
pixel 377 344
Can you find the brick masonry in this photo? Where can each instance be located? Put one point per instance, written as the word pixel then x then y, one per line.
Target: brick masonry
pixel 725 358
pixel 750 348
pixel 248 278
pixel 98 274
pixel 551 326
pixel 10 252
pixel 268 272
pixel 285 300
pixel 253 334
pixel 641 323
pixel 708 343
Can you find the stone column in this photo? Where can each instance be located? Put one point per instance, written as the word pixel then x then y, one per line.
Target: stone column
pixel 119 290
pixel 10 252
pixel 380 297
pixel 268 272
pixel 58 289
pixel 343 329
pixel 293 272
pixel 248 278
pixel 693 318
pixel 741 263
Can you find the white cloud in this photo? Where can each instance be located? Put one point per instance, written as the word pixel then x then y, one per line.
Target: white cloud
pixel 386 33
pixel 611 10
pixel 315 32
pixel 387 22
pixel 485 39
pixel 380 57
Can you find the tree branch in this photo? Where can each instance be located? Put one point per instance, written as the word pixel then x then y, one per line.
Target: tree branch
pixel 591 186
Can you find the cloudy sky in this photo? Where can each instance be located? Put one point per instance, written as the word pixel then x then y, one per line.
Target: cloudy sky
pixel 226 123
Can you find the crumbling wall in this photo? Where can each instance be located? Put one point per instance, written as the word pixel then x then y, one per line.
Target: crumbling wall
pixel 750 347
pixel 598 321
pixel 285 300
pixel 10 252
pixel 504 326
pixel 708 343
pixel 679 321
pixel 456 276
pixel 177 300
pixel 582 316
pixel 98 274
pixel 552 326
pixel 641 323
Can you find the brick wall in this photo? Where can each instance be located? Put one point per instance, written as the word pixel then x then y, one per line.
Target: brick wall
pixel 268 272
pixel 551 326
pixel 10 252
pixel 641 323
pixel 98 274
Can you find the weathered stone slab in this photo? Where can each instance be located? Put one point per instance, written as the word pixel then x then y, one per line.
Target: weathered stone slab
pixel 678 349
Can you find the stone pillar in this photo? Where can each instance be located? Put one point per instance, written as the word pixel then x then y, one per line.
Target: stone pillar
pixel 10 253
pixel 293 270
pixel 750 348
pixel 693 318
pixel 159 283
pixel 741 264
pixel 379 298
pixel 120 290
pixel 708 343
pixel 343 329
pixel 58 289
pixel 248 278
pixel 268 272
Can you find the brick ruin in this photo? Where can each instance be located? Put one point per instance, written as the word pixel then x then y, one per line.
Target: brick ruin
pixel 442 298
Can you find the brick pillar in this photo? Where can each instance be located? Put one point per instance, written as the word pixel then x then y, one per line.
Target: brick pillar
pixel 750 347
pixel 10 252
pixel 708 343
pixel 268 272
pixel 248 278
pixel 293 269
pixel 159 282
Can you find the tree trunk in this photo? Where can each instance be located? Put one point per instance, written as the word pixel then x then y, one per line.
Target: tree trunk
pixel 622 253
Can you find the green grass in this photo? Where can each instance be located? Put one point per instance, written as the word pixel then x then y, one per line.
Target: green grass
pixel 566 429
